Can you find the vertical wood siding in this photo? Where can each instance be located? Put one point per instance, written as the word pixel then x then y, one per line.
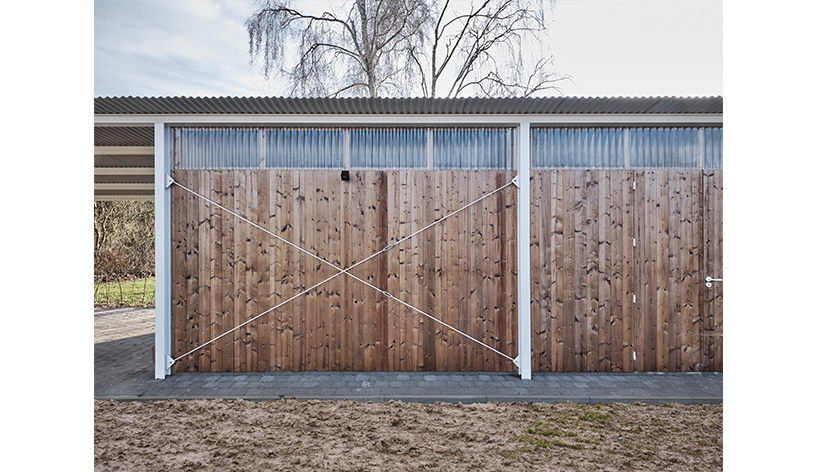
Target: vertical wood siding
pixel 585 270
pixel 597 242
pixel 225 271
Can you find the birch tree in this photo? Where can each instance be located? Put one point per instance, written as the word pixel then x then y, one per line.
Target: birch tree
pixel 377 48
pixel 363 51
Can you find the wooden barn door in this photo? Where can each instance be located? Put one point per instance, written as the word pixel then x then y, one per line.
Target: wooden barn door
pixel 712 339
pixel 619 260
pixel 225 271
pixel 678 227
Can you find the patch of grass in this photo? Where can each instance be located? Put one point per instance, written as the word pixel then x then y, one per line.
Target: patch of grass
pixel 534 441
pixel 543 432
pixel 559 443
pixel 128 293
pixel 596 417
pixel 510 455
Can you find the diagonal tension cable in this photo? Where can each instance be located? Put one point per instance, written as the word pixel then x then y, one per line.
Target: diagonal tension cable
pixel 342 271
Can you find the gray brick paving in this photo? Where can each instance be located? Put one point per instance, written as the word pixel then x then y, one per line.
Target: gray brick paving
pixel 123 370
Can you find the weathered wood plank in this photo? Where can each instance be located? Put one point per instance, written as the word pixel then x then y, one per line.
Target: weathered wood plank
pixel 617 304
pixel 629 268
pixel 441 274
pixel 382 271
pixel 240 235
pixel 640 270
pixel 510 271
pixel 464 221
pixel 452 264
pixel 591 247
pixel 602 286
pixel 298 266
pixel 676 340
pixel 264 276
pixel 662 301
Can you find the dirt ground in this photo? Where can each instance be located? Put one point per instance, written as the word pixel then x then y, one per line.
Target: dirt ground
pixel 351 436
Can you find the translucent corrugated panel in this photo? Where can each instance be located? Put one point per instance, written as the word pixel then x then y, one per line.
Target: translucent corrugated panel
pixel 319 148
pixel 217 148
pixel 577 147
pixel 473 148
pixel 388 147
pixel 675 148
pixel 713 148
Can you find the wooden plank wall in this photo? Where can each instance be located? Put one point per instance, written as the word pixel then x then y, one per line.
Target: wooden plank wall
pixel 597 242
pixel 712 335
pixel 225 271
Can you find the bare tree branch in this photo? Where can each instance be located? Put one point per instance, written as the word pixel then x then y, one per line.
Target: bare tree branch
pixel 367 45
pixel 379 47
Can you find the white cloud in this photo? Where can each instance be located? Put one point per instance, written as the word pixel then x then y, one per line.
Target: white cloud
pixel 183 47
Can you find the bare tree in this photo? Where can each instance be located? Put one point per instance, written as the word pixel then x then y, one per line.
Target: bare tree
pixel 361 52
pixel 494 48
pixel 389 47
pixel 123 238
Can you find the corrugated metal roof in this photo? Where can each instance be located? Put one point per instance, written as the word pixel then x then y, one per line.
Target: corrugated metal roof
pixel 129 160
pixel 123 136
pixel 123 179
pixel 405 106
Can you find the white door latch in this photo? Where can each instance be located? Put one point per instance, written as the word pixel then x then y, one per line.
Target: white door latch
pixel 709 281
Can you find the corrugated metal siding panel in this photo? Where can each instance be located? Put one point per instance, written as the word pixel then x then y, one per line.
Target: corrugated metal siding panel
pixel 473 148
pixel 388 147
pixel 123 193
pixel 406 106
pixel 123 179
pixel 317 148
pixel 134 160
pixel 123 136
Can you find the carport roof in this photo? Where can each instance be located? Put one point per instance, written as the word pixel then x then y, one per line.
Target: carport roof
pixel 124 134
pixel 405 106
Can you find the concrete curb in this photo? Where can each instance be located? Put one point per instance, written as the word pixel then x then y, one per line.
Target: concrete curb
pixel 582 400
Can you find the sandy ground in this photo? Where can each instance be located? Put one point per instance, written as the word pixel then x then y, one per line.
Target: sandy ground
pixel 351 436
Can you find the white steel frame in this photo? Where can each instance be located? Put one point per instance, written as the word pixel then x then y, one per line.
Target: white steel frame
pixel 524 250
pixel 523 160
pixel 163 244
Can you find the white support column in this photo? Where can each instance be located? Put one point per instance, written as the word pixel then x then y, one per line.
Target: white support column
pixel 524 251
pixel 162 202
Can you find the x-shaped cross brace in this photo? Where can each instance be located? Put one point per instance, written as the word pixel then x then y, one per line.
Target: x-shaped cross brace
pixel 170 181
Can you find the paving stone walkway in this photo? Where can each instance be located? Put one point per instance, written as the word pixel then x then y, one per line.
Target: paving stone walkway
pixel 123 370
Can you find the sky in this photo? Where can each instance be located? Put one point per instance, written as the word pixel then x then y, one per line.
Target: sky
pixel 608 47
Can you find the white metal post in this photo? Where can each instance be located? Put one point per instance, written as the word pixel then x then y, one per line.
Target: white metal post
pixel 524 251
pixel 162 202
